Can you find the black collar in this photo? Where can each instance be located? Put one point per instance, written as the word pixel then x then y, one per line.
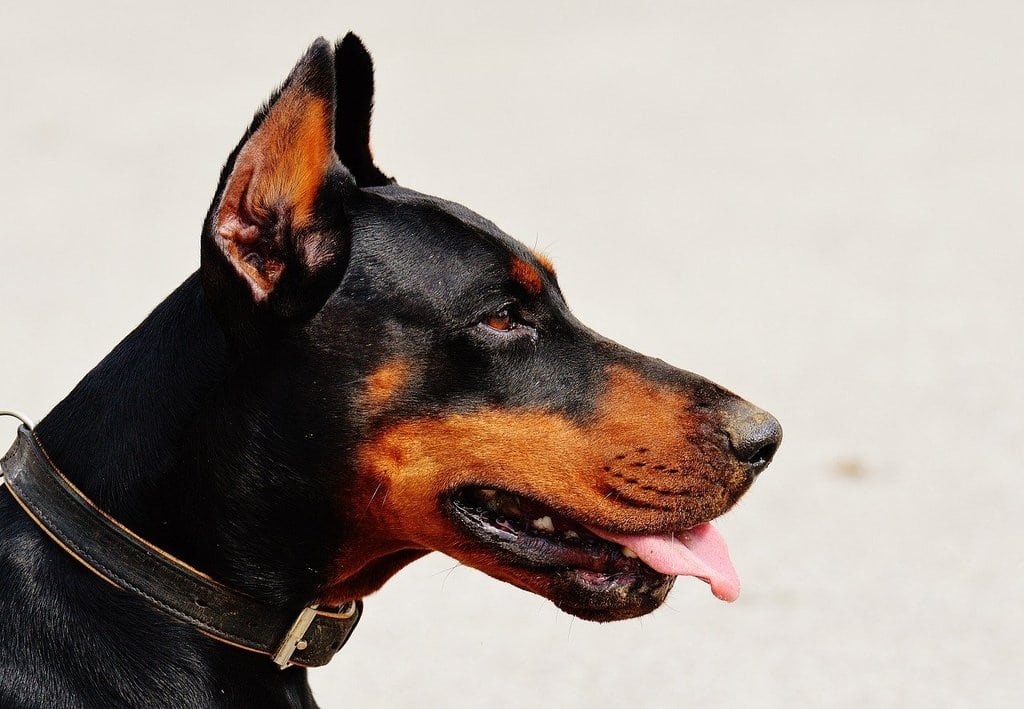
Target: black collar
pixel 308 637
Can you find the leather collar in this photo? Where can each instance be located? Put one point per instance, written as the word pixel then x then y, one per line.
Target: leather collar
pixel 308 637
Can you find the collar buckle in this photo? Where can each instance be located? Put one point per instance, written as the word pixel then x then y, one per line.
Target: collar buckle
pixel 294 640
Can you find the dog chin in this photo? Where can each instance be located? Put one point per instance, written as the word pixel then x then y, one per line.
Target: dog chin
pixel 602 599
pixel 588 595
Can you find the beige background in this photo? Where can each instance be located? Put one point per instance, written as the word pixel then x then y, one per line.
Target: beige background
pixel 817 204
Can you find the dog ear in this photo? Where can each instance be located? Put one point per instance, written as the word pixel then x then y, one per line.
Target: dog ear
pixel 353 70
pixel 267 228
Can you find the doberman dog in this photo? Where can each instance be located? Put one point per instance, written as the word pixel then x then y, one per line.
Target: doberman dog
pixel 358 374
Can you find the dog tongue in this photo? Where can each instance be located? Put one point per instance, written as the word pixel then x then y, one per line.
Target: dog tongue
pixel 699 552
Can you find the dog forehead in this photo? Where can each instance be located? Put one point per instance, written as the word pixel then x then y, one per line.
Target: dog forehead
pixel 403 197
pixel 404 238
pixel 432 218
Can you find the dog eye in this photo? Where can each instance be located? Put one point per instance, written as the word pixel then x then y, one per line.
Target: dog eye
pixel 501 320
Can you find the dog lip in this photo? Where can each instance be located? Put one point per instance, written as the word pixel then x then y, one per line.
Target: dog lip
pixel 578 518
pixel 537 535
pixel 582 574
pixel 543 537
pixel 579 521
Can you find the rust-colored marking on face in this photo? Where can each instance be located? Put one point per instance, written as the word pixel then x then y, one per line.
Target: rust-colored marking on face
pixel 527 276
pixel 544 262
pixel 643 462
pixel 385 382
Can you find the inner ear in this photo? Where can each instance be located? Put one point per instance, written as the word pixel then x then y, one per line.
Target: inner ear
pixel 353 70
pixel 265 223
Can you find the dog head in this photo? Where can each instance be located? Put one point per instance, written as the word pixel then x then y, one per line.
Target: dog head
pixel 429 387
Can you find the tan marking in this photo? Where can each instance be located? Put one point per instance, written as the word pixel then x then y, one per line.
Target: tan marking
pixel 587 469
pixel 527 276
pixel 293 151
pixel 284 162
pixel 385 382
pixel 544 262
pixel 277 175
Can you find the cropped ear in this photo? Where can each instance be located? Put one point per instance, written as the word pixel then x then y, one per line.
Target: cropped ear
pixel 353 69
pixel 267 225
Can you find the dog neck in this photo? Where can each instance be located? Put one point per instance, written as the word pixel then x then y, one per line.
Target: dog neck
pixel 141 436
pixel 160 435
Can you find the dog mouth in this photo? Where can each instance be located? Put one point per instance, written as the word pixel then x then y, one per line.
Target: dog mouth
pixel 598 574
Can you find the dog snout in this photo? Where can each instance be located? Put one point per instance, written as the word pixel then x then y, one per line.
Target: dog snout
pixel 754 435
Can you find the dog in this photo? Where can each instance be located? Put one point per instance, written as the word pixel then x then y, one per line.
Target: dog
pixel 358 374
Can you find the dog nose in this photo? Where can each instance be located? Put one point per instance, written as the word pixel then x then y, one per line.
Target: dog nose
pixel 754 435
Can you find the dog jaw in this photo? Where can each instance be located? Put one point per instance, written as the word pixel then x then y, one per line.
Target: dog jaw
pixel 645 462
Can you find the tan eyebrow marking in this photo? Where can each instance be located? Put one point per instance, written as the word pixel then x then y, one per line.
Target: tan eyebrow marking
pixel 385 382
pixel 544 262
pixel 527 276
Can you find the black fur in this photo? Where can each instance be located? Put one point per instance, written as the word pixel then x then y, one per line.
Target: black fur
pixel 354 69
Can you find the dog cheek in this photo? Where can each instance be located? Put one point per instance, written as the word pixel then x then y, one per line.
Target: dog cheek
pixel 403 502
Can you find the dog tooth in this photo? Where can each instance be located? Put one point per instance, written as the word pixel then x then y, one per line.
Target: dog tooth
pixel 629 553
pixel 544 524
pixel 571 535
pixel 487 493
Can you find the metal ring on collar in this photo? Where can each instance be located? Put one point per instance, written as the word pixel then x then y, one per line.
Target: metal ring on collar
pixel 26 421
pixel 21 417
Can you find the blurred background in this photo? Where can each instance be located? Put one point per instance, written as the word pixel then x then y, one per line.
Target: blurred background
pixel 818 205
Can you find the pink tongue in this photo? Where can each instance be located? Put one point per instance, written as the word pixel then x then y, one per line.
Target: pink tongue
pixel 699 552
